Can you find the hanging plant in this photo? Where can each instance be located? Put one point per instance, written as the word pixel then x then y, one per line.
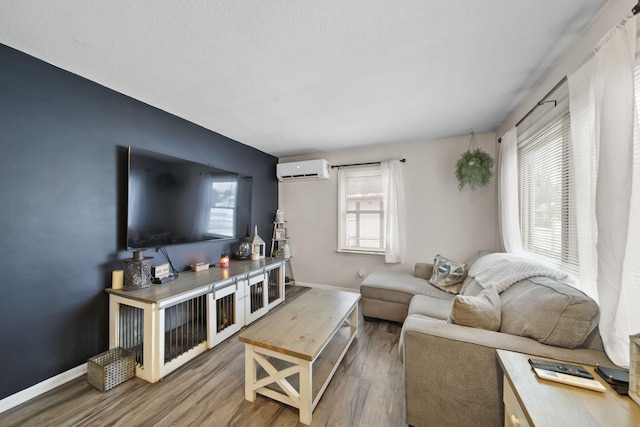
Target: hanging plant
pixel 475 167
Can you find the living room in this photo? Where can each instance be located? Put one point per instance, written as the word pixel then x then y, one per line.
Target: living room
pixel 64 191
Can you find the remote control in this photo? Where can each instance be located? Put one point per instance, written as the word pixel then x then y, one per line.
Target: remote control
pixel 563 368
pixel 570 380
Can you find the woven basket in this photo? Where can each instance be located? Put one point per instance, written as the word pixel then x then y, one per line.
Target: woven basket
pixel 113 367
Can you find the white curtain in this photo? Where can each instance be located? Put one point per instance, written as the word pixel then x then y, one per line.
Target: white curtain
pixel 508 192
pixel 603 119
pixel 393 200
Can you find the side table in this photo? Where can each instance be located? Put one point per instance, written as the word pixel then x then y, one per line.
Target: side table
pixel 530 401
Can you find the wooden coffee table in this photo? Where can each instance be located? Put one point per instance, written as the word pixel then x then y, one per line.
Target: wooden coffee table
pixel 308 337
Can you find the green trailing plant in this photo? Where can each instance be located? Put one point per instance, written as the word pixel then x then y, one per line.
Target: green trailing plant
pixel 475 167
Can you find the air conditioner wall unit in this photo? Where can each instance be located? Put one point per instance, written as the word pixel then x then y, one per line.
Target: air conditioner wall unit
pixel 303 171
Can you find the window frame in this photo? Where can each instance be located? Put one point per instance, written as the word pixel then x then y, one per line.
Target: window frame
pixel 343 175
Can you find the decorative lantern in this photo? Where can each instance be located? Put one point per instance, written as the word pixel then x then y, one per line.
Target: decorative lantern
pixel 137 272
pixel 258 246
pixel 244 251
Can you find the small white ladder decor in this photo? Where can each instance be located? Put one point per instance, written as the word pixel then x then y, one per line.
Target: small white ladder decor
pixel 280 247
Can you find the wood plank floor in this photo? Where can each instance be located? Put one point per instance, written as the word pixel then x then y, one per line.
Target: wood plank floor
pixel 367 390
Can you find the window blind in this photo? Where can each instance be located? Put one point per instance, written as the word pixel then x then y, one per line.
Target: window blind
pixel 547 213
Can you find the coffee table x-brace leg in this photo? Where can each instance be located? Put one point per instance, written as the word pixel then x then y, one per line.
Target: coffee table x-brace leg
pixel 305 344
pixel 301 399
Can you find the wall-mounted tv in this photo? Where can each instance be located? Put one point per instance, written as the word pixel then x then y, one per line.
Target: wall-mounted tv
pixel 174 201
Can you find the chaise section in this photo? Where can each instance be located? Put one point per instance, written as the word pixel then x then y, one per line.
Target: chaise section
pixel 387 294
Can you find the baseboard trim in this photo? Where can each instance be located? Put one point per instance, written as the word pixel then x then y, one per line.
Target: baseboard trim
pixel 36 390
pixel 335 288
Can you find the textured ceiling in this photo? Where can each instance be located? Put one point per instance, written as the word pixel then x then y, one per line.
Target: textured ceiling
pixel 302 76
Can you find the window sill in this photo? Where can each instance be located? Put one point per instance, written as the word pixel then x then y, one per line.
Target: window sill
pixel 357 252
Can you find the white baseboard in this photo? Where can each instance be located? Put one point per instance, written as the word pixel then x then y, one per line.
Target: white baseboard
pixel 36 390
pixel 335 288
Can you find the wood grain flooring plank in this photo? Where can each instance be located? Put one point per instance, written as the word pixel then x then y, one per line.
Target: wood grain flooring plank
pixel 367 390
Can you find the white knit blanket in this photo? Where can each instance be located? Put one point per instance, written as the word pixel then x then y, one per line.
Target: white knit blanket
pixel 502 270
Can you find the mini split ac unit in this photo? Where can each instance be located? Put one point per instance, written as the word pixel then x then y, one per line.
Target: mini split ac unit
pixel 305 170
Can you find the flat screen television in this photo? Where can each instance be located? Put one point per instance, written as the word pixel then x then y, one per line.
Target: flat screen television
pixel 174 201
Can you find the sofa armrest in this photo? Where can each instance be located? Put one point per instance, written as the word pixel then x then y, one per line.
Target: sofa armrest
pixel 452 375
pixel 423 270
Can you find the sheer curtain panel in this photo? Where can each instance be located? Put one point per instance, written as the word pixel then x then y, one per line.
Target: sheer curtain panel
pixel 603 119
pixel 508 189
pixel 394 207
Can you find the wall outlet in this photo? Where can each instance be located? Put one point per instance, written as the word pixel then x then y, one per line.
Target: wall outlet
pixel 361 273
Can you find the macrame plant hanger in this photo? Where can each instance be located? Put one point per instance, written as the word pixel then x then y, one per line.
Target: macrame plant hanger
pixel 473 142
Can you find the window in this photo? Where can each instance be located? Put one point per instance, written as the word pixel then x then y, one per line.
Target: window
pixel 361 210
pixel 547 213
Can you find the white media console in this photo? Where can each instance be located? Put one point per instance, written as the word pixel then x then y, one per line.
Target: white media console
pixel 169 324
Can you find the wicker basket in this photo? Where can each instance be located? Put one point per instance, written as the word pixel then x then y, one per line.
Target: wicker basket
pixel 108 369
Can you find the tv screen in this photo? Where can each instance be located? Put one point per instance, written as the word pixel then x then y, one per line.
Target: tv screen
pixel 173 201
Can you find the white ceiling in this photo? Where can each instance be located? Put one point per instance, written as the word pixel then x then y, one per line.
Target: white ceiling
pixel 302 76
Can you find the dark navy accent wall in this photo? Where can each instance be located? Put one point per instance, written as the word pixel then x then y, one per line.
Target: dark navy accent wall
pixel 63 146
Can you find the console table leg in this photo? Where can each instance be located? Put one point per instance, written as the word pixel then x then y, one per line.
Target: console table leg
pixel 306 399
pixel 250 373
pixel 354 322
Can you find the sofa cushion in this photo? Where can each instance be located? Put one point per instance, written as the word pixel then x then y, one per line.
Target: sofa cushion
pixel 423 270
pixel 481 311
pixel 548 311
pixel 448 274
pixel 471 287
pixel 398 287
pixel 476 256
pixel 434 308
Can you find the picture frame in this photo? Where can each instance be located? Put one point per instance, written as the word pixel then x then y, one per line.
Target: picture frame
pixel 280 233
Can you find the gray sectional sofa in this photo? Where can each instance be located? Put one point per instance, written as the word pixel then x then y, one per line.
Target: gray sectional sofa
pixel 452 376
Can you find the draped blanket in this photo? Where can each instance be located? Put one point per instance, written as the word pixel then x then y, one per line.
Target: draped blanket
pixel 502 270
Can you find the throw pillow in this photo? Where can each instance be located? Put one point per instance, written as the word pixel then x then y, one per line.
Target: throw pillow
pixel 549 311
pixel 481 311
pixel 447 274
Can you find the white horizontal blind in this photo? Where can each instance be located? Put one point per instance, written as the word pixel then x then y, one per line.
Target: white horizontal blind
pixel 361 218
pixel 547 213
